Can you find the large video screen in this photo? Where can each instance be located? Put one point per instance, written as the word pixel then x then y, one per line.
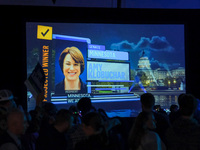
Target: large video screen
pixel 107 62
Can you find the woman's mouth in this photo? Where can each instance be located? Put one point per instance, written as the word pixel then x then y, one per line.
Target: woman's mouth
pixel 71 73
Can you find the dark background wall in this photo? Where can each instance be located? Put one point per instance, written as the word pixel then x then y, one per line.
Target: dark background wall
pixel 169 4
pixel 13 40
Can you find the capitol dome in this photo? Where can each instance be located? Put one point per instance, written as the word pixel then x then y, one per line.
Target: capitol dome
pixel 144 62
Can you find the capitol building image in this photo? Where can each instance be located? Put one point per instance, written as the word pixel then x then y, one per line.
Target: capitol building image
pixel 158 76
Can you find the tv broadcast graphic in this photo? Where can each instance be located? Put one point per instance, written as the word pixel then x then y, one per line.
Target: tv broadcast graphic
pixel 113 64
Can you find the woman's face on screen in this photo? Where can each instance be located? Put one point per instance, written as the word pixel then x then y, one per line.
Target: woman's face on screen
pixel 71 69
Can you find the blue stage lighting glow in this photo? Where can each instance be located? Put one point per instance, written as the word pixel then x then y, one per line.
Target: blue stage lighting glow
pixel 116 81
pixel 107 89
pixel 103 101
pixel 121 95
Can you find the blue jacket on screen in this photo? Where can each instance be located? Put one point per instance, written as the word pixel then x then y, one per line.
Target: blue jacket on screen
pixel 60 88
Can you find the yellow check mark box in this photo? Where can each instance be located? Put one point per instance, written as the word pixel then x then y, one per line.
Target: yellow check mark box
pixel 44 32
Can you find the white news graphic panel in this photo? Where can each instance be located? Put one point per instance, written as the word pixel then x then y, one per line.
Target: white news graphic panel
pixel 107 71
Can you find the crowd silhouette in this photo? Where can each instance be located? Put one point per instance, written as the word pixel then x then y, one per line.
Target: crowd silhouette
pixel 83 127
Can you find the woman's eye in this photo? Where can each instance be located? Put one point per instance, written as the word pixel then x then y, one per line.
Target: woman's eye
pixel 75 64
pixel 68 64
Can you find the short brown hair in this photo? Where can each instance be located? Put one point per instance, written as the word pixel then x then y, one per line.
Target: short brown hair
pixel 75 54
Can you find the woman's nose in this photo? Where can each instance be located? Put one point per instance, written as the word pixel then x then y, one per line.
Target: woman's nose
pixel 71 67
